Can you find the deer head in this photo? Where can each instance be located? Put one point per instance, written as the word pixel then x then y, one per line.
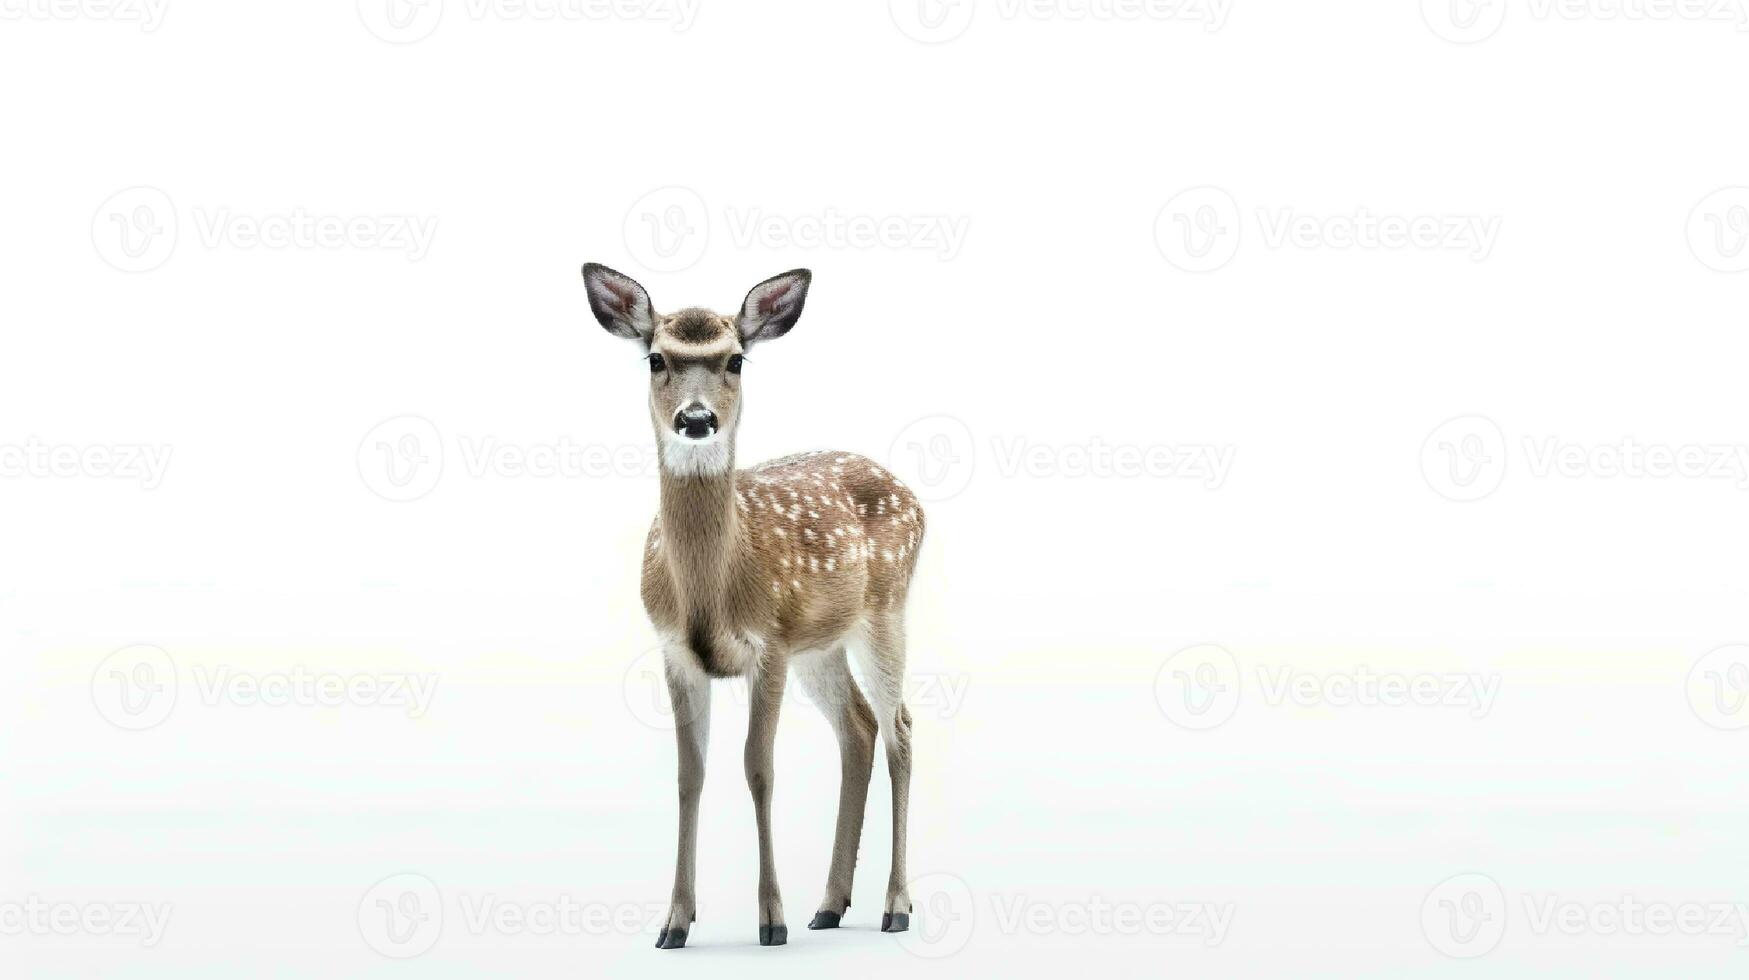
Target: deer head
pixel 695 359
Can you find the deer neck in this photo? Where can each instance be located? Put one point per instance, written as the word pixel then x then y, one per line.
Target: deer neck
pixel 701 531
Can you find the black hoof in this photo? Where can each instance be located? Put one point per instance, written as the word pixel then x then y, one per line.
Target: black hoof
pixel 895 922
pixel 826 920
pixel 671 939
pixel 773 935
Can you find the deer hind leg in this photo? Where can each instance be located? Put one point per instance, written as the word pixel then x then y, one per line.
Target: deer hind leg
pixel 689 692
pixel 826 679
pixel 882 656
pixel 765 687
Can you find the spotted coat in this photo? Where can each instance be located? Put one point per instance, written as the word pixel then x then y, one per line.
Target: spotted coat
pixel 816 543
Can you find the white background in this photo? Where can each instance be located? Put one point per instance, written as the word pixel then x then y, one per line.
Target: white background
pixel 1120 179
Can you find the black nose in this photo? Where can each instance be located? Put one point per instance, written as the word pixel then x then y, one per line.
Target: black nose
pixel 696 422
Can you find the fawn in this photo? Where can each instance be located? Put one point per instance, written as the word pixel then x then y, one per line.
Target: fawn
pixel 800 562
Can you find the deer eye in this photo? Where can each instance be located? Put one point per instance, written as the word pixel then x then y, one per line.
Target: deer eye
pixel 735 363
pixel 657 363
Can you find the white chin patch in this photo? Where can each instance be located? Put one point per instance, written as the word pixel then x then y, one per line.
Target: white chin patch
pixel 695 457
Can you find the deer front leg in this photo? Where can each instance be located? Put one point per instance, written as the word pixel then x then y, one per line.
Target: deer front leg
pixel 689 693
pixel 765 688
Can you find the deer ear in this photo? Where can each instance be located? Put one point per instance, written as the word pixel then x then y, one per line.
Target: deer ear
pixel 619 302
pixel 772 307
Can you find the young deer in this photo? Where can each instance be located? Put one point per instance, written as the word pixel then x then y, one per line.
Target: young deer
pixel 794 563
